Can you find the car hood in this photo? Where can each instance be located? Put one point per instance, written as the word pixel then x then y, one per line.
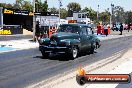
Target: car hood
pixel 62 35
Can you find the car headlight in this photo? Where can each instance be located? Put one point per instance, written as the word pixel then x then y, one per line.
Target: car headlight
pixel 41 41
pixel 44 41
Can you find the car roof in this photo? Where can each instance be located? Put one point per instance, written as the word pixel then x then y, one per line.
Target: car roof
pixel 82 25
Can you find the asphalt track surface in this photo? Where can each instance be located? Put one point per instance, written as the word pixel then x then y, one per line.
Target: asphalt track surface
pixel 14 37
pixel 19 69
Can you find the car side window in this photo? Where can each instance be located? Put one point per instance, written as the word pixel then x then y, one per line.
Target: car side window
pixel 79 15
pixel 84 30
pixel 89 31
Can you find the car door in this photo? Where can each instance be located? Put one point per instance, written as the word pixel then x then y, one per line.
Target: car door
pixel 83 38
pixel 89 37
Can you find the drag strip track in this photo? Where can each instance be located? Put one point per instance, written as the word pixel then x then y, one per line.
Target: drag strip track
pixel 22 68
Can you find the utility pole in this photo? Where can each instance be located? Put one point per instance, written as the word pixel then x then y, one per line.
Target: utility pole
pixel 34 21
pixel 60 4
pixel 59 12
pixel 1 17
pixel 111 15
pixel 98 14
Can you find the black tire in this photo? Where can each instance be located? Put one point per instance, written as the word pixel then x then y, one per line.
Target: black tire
pixel 74 53
pixel 45 55
pixel 97 45
pixel 92 48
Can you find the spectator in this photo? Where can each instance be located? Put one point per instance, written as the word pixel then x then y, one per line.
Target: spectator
pixel 129 27
pixel 121 29
pixel 114 27
pixel 99 29
pixel 105 30
pixel 37 33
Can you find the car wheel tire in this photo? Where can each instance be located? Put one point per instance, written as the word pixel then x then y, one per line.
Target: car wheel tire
pixel 74 52
pixel 97 45
pixel 92 48
pixel 45 55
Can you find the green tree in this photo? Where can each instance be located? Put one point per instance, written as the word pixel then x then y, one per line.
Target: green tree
pixel 73 7
pixel 63 13
pixel 18 4
pixel 8 5
pixel 128 18
pixel 91 13
pixel 105 17
pixel 38 6
pixel 27 6
pixel 2 4
pixel 44 6
pixel 118 14
pixel 54 10
pixel 41 7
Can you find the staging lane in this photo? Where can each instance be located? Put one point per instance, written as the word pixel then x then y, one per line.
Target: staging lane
pixel 19 69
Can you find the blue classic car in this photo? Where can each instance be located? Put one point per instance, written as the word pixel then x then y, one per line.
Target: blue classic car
pixel 70 39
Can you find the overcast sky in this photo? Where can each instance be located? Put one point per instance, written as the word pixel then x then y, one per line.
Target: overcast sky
pixel 104 4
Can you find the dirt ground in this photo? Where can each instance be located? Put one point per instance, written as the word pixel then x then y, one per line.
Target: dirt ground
pixel 26 32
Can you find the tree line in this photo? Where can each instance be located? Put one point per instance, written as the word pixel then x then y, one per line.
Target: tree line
pixel 118 13
pixel 27 5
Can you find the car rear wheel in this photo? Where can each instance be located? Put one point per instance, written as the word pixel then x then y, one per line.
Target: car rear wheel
pixel 92 48
pixel 45 55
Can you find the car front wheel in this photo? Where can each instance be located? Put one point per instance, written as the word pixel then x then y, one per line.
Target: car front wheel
pixel 74 52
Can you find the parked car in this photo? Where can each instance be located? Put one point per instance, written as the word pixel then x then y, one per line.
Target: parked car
pixel 125 26
pixel 70 39
pixel 116 27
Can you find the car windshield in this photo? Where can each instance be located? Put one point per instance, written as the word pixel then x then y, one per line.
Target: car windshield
pixel 68 28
